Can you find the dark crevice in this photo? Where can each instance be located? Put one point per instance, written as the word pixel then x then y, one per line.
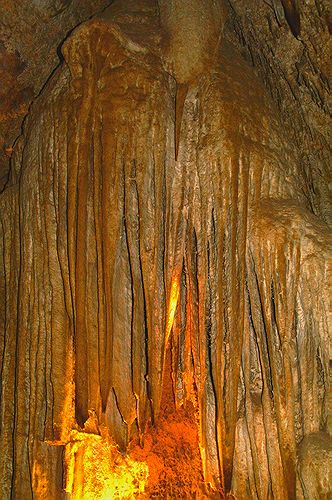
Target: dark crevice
pixel 293 16
pixel 264 338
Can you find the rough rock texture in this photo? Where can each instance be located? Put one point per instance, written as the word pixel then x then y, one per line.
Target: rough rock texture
pixel 289 43
pixel 30 34
pixel 315 466
pixel 111 250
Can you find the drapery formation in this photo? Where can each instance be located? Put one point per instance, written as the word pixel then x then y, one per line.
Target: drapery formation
pixel 111 250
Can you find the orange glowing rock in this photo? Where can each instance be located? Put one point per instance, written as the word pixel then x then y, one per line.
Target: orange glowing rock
pixel 174 297
pixel 96 470
pixel 39 481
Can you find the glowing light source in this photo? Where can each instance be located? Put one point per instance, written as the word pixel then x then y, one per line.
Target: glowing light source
pixel 173 300
pixel 96 470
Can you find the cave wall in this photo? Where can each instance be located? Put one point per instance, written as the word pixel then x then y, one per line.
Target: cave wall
pixel 30 34
pixel 289 43
pixel 111 249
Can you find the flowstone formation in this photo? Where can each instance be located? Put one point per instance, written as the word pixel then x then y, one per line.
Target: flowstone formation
pixel 125 263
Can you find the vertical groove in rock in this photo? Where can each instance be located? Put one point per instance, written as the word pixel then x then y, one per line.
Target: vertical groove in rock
pixel 10 264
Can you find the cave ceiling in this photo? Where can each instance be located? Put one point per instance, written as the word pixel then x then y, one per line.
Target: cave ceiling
pixel 287 41
pixel 30 34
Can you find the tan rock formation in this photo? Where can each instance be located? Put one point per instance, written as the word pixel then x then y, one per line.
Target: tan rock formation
pixel 112 251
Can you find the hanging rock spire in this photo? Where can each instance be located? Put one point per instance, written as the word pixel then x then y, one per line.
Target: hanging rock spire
pixel 192 31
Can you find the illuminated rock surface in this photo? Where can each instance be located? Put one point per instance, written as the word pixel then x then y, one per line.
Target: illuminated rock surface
pixel 112 250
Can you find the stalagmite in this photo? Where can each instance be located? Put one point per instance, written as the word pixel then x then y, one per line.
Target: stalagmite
pixel 146 236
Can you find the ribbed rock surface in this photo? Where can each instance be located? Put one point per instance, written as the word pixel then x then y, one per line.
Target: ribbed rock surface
pixel 111 250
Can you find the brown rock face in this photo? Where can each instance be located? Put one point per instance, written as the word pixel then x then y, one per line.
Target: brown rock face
pixel 114 253
pixel 30 34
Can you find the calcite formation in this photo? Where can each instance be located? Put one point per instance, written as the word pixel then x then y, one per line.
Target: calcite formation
pixel 114 249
